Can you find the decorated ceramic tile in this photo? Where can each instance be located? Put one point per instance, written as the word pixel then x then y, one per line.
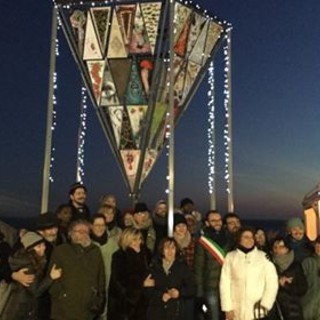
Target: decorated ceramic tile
pixel 109 95
pixel 179 83
pixel 130 159
pixel 139 41
pixel 116 45
pixel 91 49
pixel 149 161
pixel 137 115
pixel 120 71
pixel 151 14
pixel 135 93
pixel 146 68
pixel 78 22
pixel 126 140
pixel 214 32
pixel 180 46
pixel 116 114
pixel 191 75
pixel 157 118
pixel 101 21
pixel 197 23
pixel 125 14
pixel 95 69
pixel 197 53
pixel 181 14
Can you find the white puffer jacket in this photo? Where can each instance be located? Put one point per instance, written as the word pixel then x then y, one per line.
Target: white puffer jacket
pixel 245 280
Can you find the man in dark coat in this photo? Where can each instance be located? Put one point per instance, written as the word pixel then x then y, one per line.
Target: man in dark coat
pixel 78 198
pixel 80 293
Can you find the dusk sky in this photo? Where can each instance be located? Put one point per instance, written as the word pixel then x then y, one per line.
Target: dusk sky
pixel 276 115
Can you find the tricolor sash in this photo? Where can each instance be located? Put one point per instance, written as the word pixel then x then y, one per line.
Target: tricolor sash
pixel 214 249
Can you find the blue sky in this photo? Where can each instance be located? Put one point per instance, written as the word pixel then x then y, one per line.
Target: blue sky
pixel 276 67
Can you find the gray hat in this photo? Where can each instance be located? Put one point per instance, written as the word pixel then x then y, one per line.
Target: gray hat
pixel 31 239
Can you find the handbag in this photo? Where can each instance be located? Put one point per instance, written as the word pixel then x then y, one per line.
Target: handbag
pixel 260 312
pixel 5 292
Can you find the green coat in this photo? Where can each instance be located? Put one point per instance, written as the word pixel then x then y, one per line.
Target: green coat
pixel 311 300
pixel 80 292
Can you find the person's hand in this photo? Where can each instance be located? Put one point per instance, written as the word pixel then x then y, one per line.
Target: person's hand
pixel 149 282
pixel 22 277
pixel 284 280
pixel 174 293
pixel 230 315
pixel 55 273
pixel 166 297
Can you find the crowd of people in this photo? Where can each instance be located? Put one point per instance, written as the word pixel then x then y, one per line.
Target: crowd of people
pixel 113 265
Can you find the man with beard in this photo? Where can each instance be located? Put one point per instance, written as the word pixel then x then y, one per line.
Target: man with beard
pixel 80 292
pixel 78 198
pixel 209 256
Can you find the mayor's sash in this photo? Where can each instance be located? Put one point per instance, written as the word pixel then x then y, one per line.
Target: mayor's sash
pixel 214 249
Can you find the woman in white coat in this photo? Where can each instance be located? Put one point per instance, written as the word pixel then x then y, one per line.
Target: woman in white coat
pixel 249 281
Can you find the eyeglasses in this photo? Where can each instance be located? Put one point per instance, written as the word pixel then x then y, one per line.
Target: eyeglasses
pixel 80 230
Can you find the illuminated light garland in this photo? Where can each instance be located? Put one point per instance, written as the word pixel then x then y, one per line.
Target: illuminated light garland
pixel 55 102
pixel 82 135
pixel 211 130
pixel 226 92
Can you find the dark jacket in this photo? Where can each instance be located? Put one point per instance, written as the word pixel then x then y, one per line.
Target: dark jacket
pixel 80 292
pixel 77 214
pixel 128 271
pixel 289 296
pixel 302 248
pixel 179 277
pixel 207 268
pixel 23 303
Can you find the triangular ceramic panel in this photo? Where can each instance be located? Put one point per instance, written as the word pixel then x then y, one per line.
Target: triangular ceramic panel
pixel 197 53
pixel 126 140
pixel 214 33
pixel 149 161
pixel 120 71
pixel 78 20
pixel 101 20
pixel 146 69
pixel 130 159
pixel 180 46
pixel 137 115
pixel 164 87
pixel 135 93
pixel 197 23
pixel 139 41
pixel 181 15
pixel 109 96
pixel 116 115
pixel 158 118
pixel 116 48
pixel 91 49
pixel 151 13
pixel 191 75
pixel 125 15
pixel 95 69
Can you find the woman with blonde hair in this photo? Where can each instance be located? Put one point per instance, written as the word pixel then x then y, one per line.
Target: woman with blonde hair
pixel 128 271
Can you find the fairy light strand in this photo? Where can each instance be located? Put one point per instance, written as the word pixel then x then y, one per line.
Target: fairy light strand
pixel 211 130
pixel 82 135
pixel 226 93
pixel 55 103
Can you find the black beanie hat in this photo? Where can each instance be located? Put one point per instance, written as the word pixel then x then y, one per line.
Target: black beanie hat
pixel 179 218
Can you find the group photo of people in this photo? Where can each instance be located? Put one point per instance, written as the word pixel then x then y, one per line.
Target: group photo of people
pixel 112 264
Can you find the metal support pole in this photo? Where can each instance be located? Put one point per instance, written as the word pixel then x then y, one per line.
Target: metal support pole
pixel 171 123
pixel 230 143
pixel 48 141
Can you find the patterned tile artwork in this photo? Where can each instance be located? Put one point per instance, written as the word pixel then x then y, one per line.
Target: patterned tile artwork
pixel 125 62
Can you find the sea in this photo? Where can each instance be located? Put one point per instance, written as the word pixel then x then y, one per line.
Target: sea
pixel 272 226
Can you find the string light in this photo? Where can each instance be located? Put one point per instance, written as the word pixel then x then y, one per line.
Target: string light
pixel 226 92
pixel 211 130
pixel 82 135
pixel 54 102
